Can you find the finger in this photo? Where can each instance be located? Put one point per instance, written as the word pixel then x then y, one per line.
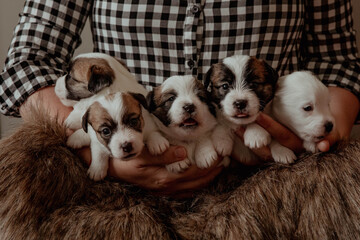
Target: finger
pixel 171 155
pixel 85 154
pixel 324 145
pixel 163 179
pixel 264 153
pixel 240 132
pixel 184 188
pixel 279 132
pixel 68 132
pixel 193 172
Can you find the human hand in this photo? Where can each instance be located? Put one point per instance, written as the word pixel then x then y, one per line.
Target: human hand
pixel 149 172
pixel 146 171
pixel 279 132
pixel 344 106
pixel 46 100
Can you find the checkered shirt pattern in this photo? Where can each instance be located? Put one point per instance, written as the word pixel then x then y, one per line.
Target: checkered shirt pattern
pixel 158 39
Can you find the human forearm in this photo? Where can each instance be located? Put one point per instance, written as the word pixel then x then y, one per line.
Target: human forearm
pixel 43 43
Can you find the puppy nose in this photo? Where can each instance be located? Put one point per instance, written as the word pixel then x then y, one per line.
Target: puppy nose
pixel 328 126
pixel 240 104
pixel 127 147
pixel 190 108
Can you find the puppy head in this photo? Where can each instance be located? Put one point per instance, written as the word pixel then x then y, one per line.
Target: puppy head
pixel 182 107
pixel 88 74
pixel 118 123
pixel 241 86
pixel 302 104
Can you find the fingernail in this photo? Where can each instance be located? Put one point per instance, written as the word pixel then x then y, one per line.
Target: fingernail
pixel 180 153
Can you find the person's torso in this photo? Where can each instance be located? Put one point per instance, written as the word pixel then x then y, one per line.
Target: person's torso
pixel 158 39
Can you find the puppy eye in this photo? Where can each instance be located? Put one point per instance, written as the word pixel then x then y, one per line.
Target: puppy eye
pixel 134 122
pixel 105 132
pixel 171 99
pixel 254 85
pixel 225 86
pixel 308 108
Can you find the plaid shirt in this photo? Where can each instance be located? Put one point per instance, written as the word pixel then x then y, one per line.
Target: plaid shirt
pixel 158 39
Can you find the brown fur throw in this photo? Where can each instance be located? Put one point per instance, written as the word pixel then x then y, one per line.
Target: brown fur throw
pixel 45 194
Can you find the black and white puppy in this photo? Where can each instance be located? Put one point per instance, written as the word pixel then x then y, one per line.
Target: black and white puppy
pixel 301 103
pixel 241 86
pixel 93 76
pixel 185 116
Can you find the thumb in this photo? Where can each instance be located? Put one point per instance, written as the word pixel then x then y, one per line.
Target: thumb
pixel 325 144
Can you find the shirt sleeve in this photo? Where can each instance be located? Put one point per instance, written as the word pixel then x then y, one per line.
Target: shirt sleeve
pixel 331 50
pixel 44 40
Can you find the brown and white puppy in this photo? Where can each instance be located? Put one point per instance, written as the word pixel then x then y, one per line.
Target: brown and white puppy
pixel 94 75
pixel 185 116
pixel 241 86
pixel 115 125
pixel 89 73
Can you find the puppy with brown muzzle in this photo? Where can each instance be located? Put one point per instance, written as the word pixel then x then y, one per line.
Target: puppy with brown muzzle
pixel 241 86
pixel 186 117
pixel 93 78
pixel 116 128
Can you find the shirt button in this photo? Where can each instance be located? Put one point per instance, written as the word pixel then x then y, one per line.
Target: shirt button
pixel 191 63
pixel 195 9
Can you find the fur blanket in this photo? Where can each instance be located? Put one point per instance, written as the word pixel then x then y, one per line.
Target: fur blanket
pixel 45 194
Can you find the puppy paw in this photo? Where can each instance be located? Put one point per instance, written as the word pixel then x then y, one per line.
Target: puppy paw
pixel 73 121
pixel 179 166
pixel 96 173
pixel 157 144
pixel 243 154
pixel 256 138
pixel 223 148
pixel 310 146
pixel 78 139
pixel 282 154
pixel 205 156
pixel 223 140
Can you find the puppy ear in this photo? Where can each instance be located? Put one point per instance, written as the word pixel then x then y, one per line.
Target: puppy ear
pixel 122 63
pixel 140 98
pixel 150 101
pixel 272 76
pixel 207 80
pixel 99 78
pixel 85 121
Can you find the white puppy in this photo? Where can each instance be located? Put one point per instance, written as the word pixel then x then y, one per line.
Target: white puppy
pixel 241 86
pixel 301 103
pixel 92 76
pixel 184 115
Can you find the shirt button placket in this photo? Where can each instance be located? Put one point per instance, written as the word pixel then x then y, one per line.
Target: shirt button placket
pixel 190 28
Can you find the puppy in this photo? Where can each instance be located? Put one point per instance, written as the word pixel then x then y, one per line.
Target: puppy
pixel 301 103
pixel 241 86
pixel 115 125
pixel 184 115
pixel 90 73
pixel 94 75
